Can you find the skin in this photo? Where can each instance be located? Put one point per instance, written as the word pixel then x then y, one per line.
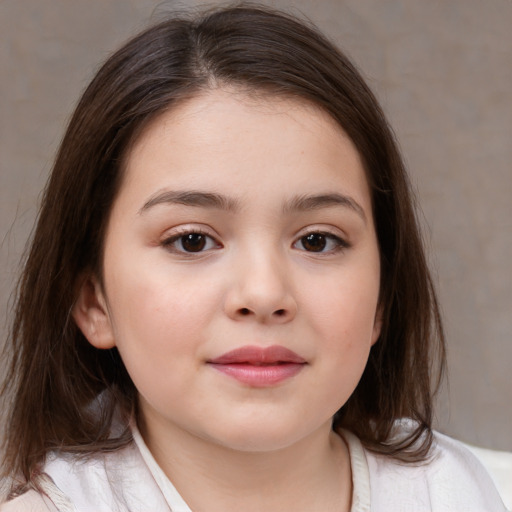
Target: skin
pixel 256 281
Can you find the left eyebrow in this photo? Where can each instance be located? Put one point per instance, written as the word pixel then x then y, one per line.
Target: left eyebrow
pixel 191 198
pixel 316 202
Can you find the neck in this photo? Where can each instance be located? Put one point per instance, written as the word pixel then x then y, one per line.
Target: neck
pixel 312 474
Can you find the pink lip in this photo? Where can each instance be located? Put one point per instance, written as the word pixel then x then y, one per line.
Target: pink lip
pixel 259 366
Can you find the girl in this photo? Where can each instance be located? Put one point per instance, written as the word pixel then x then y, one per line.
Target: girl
pixel 226 304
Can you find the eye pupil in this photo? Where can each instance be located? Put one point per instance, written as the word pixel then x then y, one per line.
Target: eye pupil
pixel 314 242
pixel 193 242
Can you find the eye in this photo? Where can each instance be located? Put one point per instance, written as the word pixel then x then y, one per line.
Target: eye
pixel 190 242
pixel 320 242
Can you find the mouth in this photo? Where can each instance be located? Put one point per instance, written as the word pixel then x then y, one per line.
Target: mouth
pixel 259 366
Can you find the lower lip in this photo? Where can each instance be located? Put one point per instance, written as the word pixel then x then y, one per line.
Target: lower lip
pixel 259 376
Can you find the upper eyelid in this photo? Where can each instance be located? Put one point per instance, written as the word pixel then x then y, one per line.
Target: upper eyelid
pixel 181 230
pixel 168 239
pixel 327 234
pixel 178 231
pixel 328 231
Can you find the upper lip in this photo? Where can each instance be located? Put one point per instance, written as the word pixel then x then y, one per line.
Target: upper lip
pixel 252 354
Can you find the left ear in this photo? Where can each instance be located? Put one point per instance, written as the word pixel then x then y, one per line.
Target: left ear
pixel 377 325
pixel 91 314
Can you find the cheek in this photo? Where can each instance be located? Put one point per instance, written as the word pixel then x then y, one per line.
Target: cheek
pixel 346 307
pixel 157 317
pixel 159 331
pixel 343 319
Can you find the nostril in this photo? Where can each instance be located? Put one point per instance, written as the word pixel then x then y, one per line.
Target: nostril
pixel 280 312
pixel 245 311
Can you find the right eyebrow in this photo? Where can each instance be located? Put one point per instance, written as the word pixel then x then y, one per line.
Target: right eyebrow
pixel 191 198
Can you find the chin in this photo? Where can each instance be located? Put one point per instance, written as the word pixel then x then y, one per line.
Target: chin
pixel 259 437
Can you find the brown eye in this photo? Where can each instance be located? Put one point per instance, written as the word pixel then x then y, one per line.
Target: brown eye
pixel 193 242
pixel 314 242
pixel 319 242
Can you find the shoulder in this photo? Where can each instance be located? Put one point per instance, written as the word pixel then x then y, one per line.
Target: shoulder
pixel 41 495
pixel 116 481
pixel 30 501
pixel 451 480
pixel 69 483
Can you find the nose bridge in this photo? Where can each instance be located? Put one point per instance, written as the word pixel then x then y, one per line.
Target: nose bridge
pixel 261 285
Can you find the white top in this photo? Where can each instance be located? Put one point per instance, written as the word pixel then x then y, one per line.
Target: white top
pixel 130 480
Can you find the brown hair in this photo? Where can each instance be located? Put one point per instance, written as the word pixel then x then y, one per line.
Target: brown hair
pixel 56 374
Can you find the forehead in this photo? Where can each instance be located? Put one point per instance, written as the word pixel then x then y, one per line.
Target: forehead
pixel 229 107
pixel 227 135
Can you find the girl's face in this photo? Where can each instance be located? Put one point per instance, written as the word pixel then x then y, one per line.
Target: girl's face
pixel 241 272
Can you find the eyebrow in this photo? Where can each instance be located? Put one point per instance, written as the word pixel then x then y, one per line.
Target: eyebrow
pixel 221 202
pixel 319 201
pixel 191 198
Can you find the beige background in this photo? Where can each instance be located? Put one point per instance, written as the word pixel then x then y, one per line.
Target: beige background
pixel 443 71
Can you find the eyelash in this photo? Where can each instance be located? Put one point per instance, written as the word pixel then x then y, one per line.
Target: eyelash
pixel 169 243
pixel 338 243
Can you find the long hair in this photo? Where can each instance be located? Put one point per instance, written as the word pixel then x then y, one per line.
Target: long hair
pixel 64 391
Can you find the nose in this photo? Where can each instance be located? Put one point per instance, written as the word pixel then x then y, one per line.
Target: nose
pixel 261 291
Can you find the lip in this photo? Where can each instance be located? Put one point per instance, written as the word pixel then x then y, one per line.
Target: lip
pixel 259 366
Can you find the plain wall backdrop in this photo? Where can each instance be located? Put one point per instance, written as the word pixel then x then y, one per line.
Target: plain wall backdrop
pixel 443 72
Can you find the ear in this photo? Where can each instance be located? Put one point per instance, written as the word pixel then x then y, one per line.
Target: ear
pixel 377 325
pixel 91 314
